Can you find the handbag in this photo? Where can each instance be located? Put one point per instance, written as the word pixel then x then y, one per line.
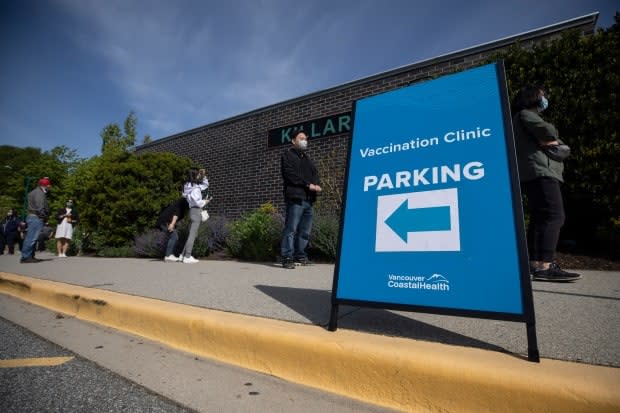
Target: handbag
pixel 556 152
pixel 204 215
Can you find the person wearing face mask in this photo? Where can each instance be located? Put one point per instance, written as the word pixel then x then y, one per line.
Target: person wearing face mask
pixel 541 179
pixel 8 235
pixel 38 211
pixel 67 218
pixel 301 186
pixel 197 182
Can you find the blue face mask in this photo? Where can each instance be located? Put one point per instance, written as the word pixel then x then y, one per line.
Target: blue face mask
pixel 543 104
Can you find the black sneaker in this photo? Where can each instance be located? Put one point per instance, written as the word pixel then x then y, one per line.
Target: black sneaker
pixel 555 273
pixel 288 263
pixel 303 261
pixel 29 260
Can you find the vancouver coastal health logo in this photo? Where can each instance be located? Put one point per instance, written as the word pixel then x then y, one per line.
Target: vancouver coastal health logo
pixel 435 282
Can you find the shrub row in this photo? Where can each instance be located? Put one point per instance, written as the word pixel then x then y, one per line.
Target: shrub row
pixel 255 237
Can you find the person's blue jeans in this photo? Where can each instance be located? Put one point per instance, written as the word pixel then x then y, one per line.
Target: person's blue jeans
pixel 173 238
pixel 32 235
pixel 297 227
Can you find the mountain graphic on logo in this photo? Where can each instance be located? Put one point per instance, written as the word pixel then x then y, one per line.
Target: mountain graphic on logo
pixel 438 278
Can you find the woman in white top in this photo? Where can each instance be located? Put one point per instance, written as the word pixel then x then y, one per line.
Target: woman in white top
pixel 192 191
pixel 66 217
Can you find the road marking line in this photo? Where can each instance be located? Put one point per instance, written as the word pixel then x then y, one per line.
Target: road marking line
pixel 34 362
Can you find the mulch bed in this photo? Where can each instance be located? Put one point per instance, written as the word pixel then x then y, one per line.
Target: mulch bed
pixel 584 262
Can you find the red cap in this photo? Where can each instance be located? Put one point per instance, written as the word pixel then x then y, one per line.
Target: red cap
pixel 45 182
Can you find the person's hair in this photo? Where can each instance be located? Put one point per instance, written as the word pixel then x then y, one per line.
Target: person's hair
pixel 194 177
pixel 527 97
pixel 297 132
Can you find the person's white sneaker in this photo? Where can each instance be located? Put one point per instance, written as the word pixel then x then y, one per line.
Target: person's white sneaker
pixel 171 258
pixel 62 256
pixel 190 260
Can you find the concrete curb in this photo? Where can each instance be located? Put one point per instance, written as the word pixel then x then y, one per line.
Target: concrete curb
pixel 393 372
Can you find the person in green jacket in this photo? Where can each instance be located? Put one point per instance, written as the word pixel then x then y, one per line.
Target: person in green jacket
pixel 540 178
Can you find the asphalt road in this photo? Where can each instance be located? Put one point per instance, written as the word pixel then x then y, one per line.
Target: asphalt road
pixel 75 385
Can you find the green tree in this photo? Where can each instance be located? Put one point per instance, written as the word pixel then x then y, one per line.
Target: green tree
pixel 22 167
pixel 115 141
pixel 122 195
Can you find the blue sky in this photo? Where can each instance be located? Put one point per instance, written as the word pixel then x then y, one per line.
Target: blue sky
pixel 70 67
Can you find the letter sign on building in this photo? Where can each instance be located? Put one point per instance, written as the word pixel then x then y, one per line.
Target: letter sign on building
pixel 316 128
pixel 432 216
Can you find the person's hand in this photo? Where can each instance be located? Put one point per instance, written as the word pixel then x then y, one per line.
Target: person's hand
pixel 314 188
pixel 170 227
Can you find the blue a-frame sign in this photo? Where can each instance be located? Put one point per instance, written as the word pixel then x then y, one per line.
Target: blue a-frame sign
pixel 432 217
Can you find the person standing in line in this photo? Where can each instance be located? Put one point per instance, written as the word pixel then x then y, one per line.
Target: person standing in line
pixel 541 177
pixel 192 191
pixel 67 218
pixel 167 222
pixel 9 231
pixel 301 186
pixel 38 211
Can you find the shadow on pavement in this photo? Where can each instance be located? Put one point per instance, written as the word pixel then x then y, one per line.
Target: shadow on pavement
pixel 315 305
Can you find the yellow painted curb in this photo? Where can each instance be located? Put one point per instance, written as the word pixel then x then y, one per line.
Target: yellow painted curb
pixel 394 372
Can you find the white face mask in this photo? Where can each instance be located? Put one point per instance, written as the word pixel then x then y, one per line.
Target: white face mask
pixel 302 144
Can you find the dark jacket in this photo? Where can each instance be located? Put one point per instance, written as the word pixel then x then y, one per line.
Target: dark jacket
pixel 178 208
pixel 530 130
pixel 298 172
pixel 9 225
pixel 61 212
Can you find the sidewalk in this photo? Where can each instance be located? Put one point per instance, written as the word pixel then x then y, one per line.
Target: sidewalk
pixel 264 308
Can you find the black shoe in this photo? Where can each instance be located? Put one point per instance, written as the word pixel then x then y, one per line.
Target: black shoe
pixel 29 260
pixel 303 261
pixel 555 273
pixel 288 263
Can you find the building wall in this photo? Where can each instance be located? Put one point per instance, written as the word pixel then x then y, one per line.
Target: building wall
pixel 245 173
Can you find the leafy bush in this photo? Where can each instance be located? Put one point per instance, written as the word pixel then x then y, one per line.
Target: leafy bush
pixel 151 244
pixel 211 238
pixel 217 232
pixel 256 236
pixel 122 195
pixel 124 251
pixel 324 237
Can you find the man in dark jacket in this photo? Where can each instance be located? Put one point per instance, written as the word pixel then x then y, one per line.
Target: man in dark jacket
pixel 38 210
pixel 167 222
pixel 301 186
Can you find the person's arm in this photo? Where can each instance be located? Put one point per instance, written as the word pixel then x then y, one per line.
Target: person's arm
pixel 544 132
pixel 195 198
pixel 204 185
pixel 172 223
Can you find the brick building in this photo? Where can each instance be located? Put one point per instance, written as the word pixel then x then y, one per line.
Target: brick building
pixel 242 180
